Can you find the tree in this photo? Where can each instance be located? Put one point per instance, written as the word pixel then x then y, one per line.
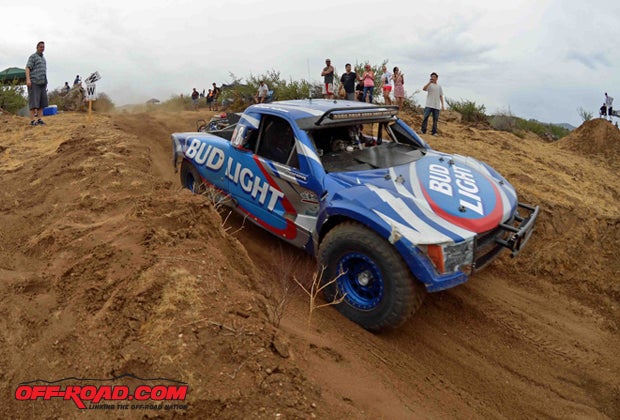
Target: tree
pixel 585 115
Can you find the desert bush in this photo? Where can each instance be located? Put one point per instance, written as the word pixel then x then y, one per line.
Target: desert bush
pixel 103 103
pixel 298 90
pixel 505 121
pixel 315 289
pixel 57 97
pixel 469 110
pixel 176 103
pixel 280 287
pixel 68 101
pixel 585 115
pixel 283 90
pixel 12 97
pixel 74 100
pixel 542 129
pixel 411 104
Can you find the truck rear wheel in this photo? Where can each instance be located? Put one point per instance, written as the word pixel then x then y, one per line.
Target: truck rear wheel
pixel 190 178
pixel 378 288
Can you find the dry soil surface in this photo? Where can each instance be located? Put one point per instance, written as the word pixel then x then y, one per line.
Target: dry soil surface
pixel 108 268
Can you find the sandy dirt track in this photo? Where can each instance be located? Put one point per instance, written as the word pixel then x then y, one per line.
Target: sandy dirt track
pixel 107 267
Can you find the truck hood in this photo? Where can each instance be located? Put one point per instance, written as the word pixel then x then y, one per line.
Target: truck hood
pixel 437 198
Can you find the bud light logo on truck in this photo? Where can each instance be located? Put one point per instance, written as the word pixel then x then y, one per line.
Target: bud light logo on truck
pixel 460 195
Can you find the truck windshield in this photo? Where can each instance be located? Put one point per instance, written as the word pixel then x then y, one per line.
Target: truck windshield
pixel 368 146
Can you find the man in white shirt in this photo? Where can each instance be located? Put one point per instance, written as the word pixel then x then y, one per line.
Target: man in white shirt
pixel 434 100
pixel 262 93
pixel 608 103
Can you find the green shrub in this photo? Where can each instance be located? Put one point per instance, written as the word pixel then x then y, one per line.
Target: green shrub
pixel 282 89
pixel 505 121
pixel 12 97
pixel 545 130
pixel 469 110
pixel 68 101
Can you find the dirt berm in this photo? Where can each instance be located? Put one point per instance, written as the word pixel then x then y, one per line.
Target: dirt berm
pixel 108 268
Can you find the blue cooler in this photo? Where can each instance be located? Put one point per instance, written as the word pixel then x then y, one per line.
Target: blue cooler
pixel 50 110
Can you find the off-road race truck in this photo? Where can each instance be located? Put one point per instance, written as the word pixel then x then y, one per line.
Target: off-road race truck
pixel 387 217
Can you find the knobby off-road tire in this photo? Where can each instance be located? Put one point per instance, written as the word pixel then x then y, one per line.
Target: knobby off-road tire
pixel 379 290
pixel 190 178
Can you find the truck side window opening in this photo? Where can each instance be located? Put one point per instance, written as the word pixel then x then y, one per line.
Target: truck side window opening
pixel 277 141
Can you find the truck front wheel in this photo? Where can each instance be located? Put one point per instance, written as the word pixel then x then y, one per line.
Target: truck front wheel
pixel 377 288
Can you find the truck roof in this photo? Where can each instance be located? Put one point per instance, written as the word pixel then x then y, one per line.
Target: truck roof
pixel 313 113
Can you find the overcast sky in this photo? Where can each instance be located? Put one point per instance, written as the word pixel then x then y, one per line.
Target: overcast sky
pixel 538 59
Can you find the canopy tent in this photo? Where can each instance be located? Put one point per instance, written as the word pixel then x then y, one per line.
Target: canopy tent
pixel 13 73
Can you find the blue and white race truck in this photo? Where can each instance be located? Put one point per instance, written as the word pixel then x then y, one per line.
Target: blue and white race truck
pixel 387 217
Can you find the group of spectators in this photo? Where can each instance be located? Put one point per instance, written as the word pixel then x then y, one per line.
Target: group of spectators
pixel 211 96
pixel 66 88
pixel 607 108
pixel 354 87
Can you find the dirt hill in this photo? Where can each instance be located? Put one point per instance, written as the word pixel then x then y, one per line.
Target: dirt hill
pixel 597 137
pixel 108 268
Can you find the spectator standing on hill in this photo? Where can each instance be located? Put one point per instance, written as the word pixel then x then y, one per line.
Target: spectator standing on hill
pixel 609 104
pixel 368 80
pixel 210 100
pixel 77 80
pixel 434 102
pixel 348 79
pixel 66 88
pixel 195 96
pixel 328 79
pixel 399 88
pixel 386 85
pixel 36 81
pixel 216 96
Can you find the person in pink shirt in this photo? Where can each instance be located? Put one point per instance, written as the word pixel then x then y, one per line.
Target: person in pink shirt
pixel 399 89
pixel 368 80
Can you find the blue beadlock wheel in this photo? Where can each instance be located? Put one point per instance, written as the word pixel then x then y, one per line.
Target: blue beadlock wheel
pixel 367 278
pixel 360 281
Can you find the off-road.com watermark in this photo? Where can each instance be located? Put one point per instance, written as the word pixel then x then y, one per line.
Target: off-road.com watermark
pixel 90 394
